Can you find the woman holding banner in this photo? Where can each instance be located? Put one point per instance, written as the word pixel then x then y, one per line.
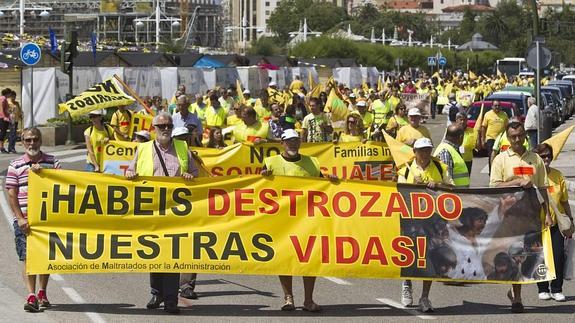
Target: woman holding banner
pixel 559 200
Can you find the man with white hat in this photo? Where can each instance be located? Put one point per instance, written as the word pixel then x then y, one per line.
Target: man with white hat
pixel 366 116
pixel 423 169
pixel 141 136
pixel 414 130
pixel 248 97
pixel 291 163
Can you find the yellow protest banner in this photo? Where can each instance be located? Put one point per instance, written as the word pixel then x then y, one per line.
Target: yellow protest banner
pixel 282 226
pixel 100 96
pixel 369 161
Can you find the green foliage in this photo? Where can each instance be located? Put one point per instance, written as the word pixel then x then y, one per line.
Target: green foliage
pixel 63 121
pixel 266 46
pixel 383 57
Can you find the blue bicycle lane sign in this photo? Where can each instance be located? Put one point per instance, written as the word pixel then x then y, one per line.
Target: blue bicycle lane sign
pixel 30 53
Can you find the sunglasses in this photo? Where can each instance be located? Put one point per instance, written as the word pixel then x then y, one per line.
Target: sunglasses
pixel 164 126
pixel 33 139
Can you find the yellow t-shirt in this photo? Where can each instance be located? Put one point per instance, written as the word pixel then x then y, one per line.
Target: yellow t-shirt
pixel 97 138
pixel 243 133
pixel 494 123
pixel 408 132
pixel 122 120
pixel 557 190
pixel 508 166
pixel 215 117
pixel 420 175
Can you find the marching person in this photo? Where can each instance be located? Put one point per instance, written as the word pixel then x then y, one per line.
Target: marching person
pixel 121 121
pixel 398 120
pixel 448 152
pixel 17 186
pixel 494 123
pixel 469 140
pixel 163 157
pixel 424 169
pixel 414 130
pixel 557 191
pixel 96 136
pixel 185 118
pixel 316 126
pixel 532 121
pixel 291 163
pixel 519 167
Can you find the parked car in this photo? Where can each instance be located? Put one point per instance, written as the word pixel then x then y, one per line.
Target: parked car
pixel 568 90
pixel 517 97
pixel 475 108
pixel 563 103
pixel 550 104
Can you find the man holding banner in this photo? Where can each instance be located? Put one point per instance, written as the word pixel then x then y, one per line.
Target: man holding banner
pixel 519 167
pixel 424 169
pixel 163 157
pixel 291 163
pixel 17 186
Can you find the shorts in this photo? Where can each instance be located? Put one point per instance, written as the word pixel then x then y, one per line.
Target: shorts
pixel 20 241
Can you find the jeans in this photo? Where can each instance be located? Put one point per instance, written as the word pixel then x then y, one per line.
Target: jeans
pixel 533 140
pixel 12 136
pixel 558 244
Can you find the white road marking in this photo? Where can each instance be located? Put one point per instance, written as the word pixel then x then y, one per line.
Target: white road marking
pixel 6 208
pixel 338 281
pixel 397 305
pixel 73 159
pixel 76 298
pixel 485 169
pixel 57 277
pixel 68 152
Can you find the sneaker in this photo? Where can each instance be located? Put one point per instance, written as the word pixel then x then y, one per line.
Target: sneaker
pixel 425 305
pixel 544 296
pixel 406 294
pixel 43 299
pixel 559 297
pixel 13 151
pixel 4 151
pixel 32 304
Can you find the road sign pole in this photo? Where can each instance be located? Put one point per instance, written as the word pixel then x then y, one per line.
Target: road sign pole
pixel 538 92
pixel 32 93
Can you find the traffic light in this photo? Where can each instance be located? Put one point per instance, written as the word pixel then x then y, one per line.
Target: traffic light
pixel 68 52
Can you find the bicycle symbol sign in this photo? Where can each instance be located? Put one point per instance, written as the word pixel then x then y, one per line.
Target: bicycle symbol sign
pixel 30 54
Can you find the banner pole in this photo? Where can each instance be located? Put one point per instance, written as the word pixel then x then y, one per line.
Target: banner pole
pixel 134 95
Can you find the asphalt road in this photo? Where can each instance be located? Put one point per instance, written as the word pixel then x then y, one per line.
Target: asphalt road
pixel 241 298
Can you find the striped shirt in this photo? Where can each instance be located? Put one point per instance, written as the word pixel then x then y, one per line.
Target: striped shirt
pixel 17 177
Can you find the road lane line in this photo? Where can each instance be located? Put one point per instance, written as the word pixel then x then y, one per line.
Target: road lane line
pixel 398 306
pixel 73 159
pixel 338 281
pixel 57 277
pixel 76 298
pixel 6 209
pixel 485 169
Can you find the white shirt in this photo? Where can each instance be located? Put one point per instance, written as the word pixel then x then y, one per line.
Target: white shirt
pixel 532 118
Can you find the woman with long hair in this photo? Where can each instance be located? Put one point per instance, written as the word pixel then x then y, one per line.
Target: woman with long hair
pixel 216 138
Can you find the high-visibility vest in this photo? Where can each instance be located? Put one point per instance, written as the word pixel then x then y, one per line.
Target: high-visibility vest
pixel 307 166
pixel 433 173
pixel 460 172
pixel 145 162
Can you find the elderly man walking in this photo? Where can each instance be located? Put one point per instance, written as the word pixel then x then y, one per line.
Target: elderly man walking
pixel 169 157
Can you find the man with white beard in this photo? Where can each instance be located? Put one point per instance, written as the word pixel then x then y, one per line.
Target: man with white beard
pixel 163 156
pixel 17 186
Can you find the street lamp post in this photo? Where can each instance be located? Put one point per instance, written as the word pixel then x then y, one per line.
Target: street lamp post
pixel 157 17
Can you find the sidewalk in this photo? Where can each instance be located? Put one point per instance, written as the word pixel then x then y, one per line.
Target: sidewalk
pixel 565 163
